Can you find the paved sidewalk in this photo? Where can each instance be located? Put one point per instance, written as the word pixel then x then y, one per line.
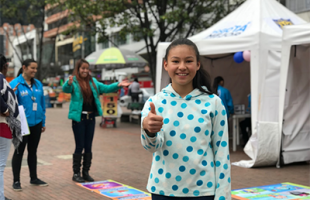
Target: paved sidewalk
pixel 118 155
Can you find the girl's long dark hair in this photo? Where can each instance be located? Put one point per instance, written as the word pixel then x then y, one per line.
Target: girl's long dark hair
pixel 3 62
pixel 84 82
pixel 27 62
pixel 202 77
pixel 216 83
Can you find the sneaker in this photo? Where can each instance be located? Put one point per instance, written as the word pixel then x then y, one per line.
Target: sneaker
pixel 16 186
pixel 38 182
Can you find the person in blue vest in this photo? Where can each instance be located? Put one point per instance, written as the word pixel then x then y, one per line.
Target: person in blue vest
pixel 224 94
pixel 30 94
pixel 84 107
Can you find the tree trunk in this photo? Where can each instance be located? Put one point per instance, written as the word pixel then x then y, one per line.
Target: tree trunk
pixel 41 44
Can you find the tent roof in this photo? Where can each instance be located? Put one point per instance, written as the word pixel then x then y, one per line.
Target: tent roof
pixel 298 34
pixel 244 24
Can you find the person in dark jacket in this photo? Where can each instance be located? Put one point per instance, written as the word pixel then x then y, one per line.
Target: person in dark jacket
pixel 84 107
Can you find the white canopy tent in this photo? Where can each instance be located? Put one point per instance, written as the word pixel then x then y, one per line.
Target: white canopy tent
pixel 294 106
pixel 256 26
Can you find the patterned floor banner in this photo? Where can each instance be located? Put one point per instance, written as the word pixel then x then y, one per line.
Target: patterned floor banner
pixel 115 190
pixel 273 192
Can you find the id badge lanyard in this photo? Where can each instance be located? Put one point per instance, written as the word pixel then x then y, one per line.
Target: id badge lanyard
pixel 34 104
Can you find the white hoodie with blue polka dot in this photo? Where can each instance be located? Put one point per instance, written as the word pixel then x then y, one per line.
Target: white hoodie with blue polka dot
pixel 190 153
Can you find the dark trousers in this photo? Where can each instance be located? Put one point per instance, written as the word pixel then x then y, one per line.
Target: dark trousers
pixel 162 197
pixel 134 97
pixel 33 142
pixel 246 123
pixel 84 133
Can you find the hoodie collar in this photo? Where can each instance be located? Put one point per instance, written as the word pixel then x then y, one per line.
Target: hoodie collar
pixel 169 91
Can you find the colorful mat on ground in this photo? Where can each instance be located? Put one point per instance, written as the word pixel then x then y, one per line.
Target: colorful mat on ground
pixel 272 192
pixel 115 190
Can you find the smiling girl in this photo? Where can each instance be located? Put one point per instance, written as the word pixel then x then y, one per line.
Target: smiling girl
pixel 185 127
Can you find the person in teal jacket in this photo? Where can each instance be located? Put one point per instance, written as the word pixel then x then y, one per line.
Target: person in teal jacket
pixel 185 128
pixel 224 94
pixel 30 95
pixel 84 107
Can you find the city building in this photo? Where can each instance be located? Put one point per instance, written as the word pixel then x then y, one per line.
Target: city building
pixel 300 7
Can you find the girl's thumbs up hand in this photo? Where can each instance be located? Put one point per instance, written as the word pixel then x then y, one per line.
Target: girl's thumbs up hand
pixel 152 123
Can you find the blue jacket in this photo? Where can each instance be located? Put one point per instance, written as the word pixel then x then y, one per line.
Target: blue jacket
pixel 76 104
pixel 225 95
pixel 25 97
pixel 190 153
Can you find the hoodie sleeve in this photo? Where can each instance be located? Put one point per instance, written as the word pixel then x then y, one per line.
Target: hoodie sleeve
pixel 220 147
pixel 43 105
pixel 3 105
pixel 66 88
pixel 230 103
pixel 151 144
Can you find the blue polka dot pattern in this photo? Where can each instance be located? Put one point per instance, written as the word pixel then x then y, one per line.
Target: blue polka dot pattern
pixel 151 175
pixel 161 192
pixel 193 139
pixel 166 121
pixel 180 114
pixel 207 132
pixel 172 133
pixel 216 113
pixel 169 143
pixel 222 175
pixel 202 173
pixel 150 100
pixel 182 136
pixel 204 112
pixel 224 112
pixel 189 149
pixel 217 163
pixel 143 137
pixel 185 190
pixel 164 101
pixel 196 193
pixel 205 154
pixel 209 184
pixel 211 95
pixel 207 104
pixel 160 171
pixel 221 133
pixel 166 152
pixel 192 171
pixel 218 185
pixel 157 158
pixel 211 115
pixel 183 105
pixel 190 117
pixel 222 198
pixel 199 183
pixel 175 156
pixel 224 144
pixel 200 152
pixel 168 175
pixel 197 101
pixel 156 180
pixel 160 109
pixel 228 180
pixel 212 164
pixel 182 168
pixel 188 97
pixel 204 163
pixel 176 123
pixel 153 188
pixel 185 158
pixel 222 123
pixel 173 103
pixel 228 157
pixel 178 178
pixel 225 166
pixel 197 129
pixel 218 143
pixel 175 187
pixel 172 95
pixel 201 120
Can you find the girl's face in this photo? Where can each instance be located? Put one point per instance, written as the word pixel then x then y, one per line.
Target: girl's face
pixel 31 70
pixel 182 65
pixel 84 70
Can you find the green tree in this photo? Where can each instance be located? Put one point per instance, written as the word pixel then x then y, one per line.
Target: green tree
pixel 153 21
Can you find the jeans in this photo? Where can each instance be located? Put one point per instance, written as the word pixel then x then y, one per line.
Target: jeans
pixel 162 197
pixel 84 133
pixel 33 142
pixel 5 145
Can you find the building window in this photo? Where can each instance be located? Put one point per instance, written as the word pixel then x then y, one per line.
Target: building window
pixel 298 6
